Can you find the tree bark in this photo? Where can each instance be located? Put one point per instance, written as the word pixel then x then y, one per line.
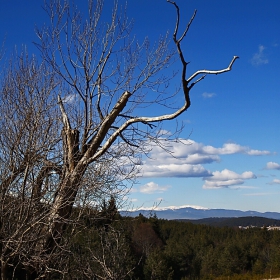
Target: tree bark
pixel 62 209
pixel 4 271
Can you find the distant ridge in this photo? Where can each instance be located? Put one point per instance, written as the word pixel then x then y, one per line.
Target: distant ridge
pixel 236 222
pixel 196 212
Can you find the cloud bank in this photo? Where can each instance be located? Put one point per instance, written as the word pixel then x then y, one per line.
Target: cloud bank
pixel 227 178
pixel 186 158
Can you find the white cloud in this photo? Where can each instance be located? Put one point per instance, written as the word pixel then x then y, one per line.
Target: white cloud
pixel 174 170
pixel 272 165
pixel 259 57
pixel 274 182
pixel 186 157
pixel 191 151
pixel 227 178
pixel 208 95
pixel 69 98
pixel 260 194
pixel 232 148
pixel 152 187
pixel 258 153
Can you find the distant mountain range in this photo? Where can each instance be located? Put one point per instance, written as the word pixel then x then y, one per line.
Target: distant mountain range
pixel 195 213
pixel 244 222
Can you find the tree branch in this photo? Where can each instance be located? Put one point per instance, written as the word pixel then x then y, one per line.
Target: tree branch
pixel 107 123
pixel 216 72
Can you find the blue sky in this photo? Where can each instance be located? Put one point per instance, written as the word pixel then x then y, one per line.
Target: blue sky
pixel 229 155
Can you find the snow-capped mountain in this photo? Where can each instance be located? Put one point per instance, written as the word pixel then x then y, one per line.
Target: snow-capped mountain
pixel 196 212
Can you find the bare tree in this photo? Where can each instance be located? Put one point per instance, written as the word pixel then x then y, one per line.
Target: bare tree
pixel 28 137
pixel 101 79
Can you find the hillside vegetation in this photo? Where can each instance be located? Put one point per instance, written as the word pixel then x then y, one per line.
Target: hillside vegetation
pixel 109 245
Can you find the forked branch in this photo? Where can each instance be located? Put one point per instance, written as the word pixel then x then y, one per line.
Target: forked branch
pixel 206 72
pixel 178 41
pixel 178 23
